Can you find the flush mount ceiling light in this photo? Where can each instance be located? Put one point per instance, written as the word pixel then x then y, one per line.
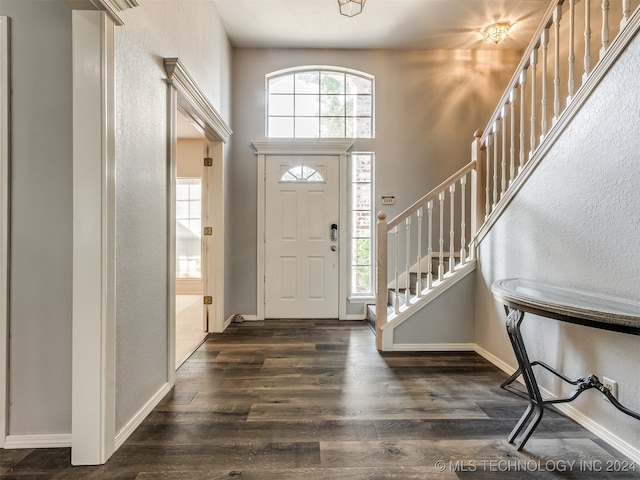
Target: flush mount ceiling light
pixel 496 33
pixel 351 8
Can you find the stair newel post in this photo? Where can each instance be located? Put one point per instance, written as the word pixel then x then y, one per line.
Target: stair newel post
pixel 441 196
pixel 479 199
pixel 572 48
pixel 605 27
pixel 463 225
pixel 396 275
pixel 419 246
pixel 587 40
pixel 430 243
pixel 523 83
pixel 407 257
pixel 557 16
pixel 382 295
pixel 452 257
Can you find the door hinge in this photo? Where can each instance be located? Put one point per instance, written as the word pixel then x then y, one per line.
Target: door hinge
pixel 208 300
pixel 208 162
pixel 208 231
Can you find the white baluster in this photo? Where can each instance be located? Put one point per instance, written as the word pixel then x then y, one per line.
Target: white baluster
pixel 395 267
pixel 534 62
pixel 441 241
pixel 452 258
pixel 523 83
pixel 587 40
pixel 407 258
pixel 495 164
pixel 487 196
pixel 430 243
pixel 572 49
pixel 605 27
pixel 557 15
pixel 503 178
pixel 626 13
pixel 419 280
pixel 544 40
pixel 512 150
pixel 463 225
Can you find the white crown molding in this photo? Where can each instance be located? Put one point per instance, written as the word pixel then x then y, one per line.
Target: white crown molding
pixel 198 107
pixel 114 7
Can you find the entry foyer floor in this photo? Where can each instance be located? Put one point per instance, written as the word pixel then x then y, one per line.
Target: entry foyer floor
pixel 314 400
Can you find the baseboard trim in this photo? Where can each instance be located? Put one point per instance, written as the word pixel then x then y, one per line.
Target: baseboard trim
pixel 62 440
pixel 581 419
pixel 501 364
pixel 354 316
pixel 434 347
pixel 139 417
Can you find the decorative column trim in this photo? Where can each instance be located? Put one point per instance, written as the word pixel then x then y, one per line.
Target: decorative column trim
pixel 94 246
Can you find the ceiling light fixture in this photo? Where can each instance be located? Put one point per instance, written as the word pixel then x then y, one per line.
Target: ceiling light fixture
pixel 351 8
pixel 496 33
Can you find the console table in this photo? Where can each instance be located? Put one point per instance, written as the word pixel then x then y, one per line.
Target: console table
pixel 521 296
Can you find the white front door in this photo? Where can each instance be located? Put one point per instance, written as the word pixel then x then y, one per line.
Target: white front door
pixel 301 239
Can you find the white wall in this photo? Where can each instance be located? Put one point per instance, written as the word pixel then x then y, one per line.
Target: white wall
pixel 576 223
pixel 41 229
pixel 41 210
pixel 191 31
pixel 428 104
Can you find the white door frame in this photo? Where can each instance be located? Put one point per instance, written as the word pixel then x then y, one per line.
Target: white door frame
pixel 339 148
pixel 185 94
pixel 4 223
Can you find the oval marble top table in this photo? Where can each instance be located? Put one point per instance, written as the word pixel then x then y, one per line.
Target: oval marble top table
pixel 575 306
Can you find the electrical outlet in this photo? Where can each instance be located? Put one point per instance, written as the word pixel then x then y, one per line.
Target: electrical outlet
pixel 611 385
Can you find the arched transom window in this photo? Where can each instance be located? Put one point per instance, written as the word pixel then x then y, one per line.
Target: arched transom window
pixel 320 102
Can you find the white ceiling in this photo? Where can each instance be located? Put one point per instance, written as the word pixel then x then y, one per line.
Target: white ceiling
pixel 384 24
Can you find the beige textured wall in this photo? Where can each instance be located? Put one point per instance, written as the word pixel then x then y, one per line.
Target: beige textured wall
pixel 576 223
pixel 191 31
pixel 428 104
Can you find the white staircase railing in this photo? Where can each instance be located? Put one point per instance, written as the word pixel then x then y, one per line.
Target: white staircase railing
pixel 537 104
pixel 554 77
pixel 440 218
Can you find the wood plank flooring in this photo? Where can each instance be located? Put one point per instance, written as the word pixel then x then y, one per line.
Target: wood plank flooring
pixel 314 400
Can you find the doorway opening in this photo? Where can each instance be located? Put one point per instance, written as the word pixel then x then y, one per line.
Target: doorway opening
pixel 191 189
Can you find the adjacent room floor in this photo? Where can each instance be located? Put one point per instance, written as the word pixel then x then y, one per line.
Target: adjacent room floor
pixel 189 325
pixel 311 400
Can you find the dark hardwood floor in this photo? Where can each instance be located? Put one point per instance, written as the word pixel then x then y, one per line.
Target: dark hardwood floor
pixel 314 400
